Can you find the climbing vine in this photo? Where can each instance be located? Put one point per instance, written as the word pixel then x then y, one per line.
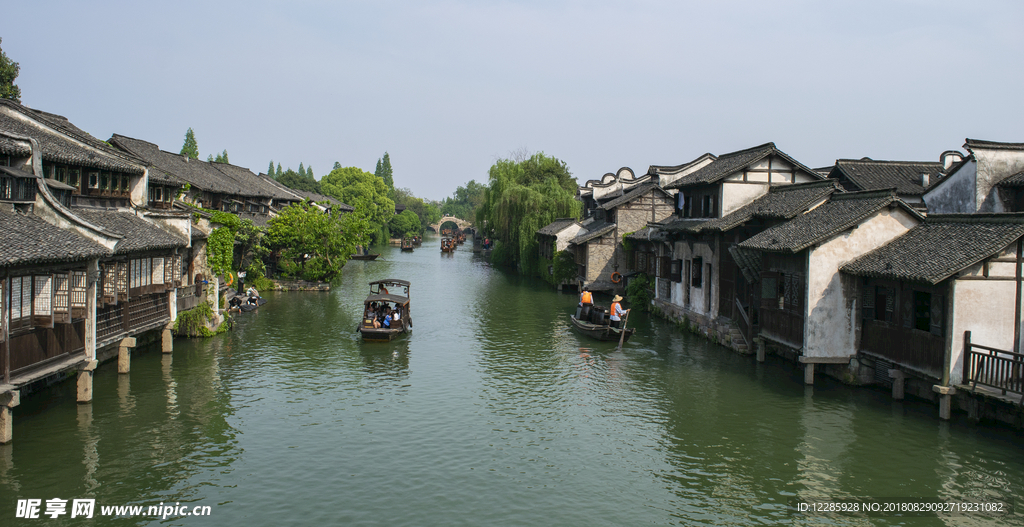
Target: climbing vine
pixel 639 291
pixel 193 323
pixel 220 250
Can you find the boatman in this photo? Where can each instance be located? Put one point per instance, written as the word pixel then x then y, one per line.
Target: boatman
pixel 586 302
pixel 616 311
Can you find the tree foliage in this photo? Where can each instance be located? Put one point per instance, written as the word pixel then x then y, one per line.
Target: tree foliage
pixel 319 242
pixel 363 191
pixel 221 157
pixel 522 197
pixel 190 148
pixel 465 201
pixel 384 172
pixel 270 170
pixel 405 224
pixel 8 72
pixel 292 179
pixel 428 212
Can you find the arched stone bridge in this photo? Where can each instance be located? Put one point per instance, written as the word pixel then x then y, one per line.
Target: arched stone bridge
pixel 458 221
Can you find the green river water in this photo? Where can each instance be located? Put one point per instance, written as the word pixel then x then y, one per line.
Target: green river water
pixel 492 412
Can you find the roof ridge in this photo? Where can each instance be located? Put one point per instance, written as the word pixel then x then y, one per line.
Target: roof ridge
pixel 867 194
pixel 998 145
pixel 990 217
pixel 769 144
pixel 806 185
pixel 888 162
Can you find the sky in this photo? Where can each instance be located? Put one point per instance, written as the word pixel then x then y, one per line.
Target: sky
pixel 449 87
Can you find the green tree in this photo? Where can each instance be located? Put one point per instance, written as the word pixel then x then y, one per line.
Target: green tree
pixel 302 171
pixel 465 201
pixel 278 170
pixel 221 157
pixel 363 191
pixel 8 72
pixel 319 242
pixel 190 148
pixel 405 224
pixel 270 170
pixel 523 196
pixel 428 212
pixel 337 165
pixel 292 179
pixel 384 172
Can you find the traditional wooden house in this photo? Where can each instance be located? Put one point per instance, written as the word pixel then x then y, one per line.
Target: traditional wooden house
pixel 936 299
pixel 555 236
pixel 909 178
pixel 807 309
pixel 974 183
pixel 85 270
pixel 714 294
pixel 216 186
pixel 714 191
pixel 597 248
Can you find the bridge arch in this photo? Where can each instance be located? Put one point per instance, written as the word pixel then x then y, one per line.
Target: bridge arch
pixel 436 227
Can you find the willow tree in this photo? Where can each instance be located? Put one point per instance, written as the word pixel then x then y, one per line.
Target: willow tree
pixel 523 196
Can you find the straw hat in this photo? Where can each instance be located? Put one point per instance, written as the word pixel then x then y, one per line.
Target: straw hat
pixel 616 298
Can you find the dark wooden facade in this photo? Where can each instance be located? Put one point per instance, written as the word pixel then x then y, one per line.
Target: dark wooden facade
pixel 782 303
pixel 905 323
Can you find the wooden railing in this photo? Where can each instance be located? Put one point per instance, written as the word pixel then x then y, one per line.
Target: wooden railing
pixel 996 368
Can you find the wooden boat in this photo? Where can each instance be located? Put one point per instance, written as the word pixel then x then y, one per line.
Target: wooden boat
pixel 364 256
pixel 599 331
pixel 417 240
pixel 447 245
pixel 247 307
pixel 407 244
pixel 389 292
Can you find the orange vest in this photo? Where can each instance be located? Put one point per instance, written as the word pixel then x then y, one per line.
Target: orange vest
pixel 612 311
pixel 586 298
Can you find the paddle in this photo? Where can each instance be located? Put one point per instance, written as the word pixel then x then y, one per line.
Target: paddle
pixel 622 331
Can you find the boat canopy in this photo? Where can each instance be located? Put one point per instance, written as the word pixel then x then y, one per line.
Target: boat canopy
pixel 396 299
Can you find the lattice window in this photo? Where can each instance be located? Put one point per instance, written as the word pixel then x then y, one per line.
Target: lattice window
pixel 144 273
pixel 136 271
pixel 60 293
pixel 157 273
pixel 110 279
pixel 19 307
pixel 42 303
pixel 169 270
pixel 77 290
pixel 122 278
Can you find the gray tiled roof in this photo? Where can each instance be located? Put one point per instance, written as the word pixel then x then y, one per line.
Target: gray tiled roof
pixel 634 193
pixel 13 147
pixel 594 230
pixel 904 176
pixel 1016 180
pixel 139 234
pixel 842 212
pixel 28 240
pixel 219 178
pixel 728 164
pixel 971 144
pixel 940 247
pixel 782 202
pixel 651 233
pixel 553 228
pixel 62 142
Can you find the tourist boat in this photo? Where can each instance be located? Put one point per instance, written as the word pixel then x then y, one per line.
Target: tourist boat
pixel 407 244
pixel 417 240
pixel 392 293
pixel 602 331
pixel 447 245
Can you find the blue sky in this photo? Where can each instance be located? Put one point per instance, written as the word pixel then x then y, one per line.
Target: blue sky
pixel 449 87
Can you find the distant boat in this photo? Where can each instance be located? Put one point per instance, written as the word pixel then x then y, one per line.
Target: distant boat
pixel 407 244
pixel 448 245
pixel 364 256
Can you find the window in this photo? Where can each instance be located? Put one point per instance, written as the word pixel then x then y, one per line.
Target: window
pixel 676 271
pixel 105 181
pixel 75 178
pixel 922 310
pixel 885 304
pixel 126 183
pixel 94 180
pixel 698 264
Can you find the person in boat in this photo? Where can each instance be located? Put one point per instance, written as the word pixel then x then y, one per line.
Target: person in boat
pixel 586 302
pixel 616 311
pixel 386 324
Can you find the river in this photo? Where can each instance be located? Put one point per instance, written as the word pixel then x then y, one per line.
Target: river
pixel 492 412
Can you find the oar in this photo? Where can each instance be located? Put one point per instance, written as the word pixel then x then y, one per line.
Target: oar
pixel 622 334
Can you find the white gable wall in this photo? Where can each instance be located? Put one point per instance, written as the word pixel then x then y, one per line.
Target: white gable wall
pixel 832 300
